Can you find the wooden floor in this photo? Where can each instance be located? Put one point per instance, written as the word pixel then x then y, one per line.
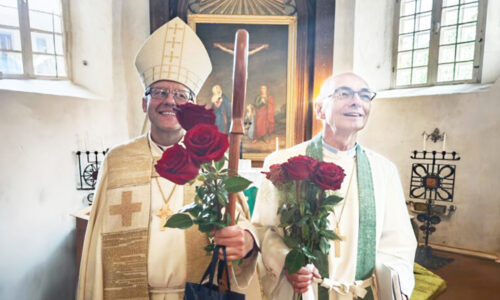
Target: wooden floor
pixel 469 278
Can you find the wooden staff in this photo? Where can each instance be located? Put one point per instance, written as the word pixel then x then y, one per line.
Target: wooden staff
pixel 239 91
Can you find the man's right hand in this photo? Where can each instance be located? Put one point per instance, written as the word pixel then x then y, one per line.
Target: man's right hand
pixel 301 280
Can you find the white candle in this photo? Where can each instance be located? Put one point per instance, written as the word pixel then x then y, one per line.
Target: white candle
pixel 277 144
pixel 425 141
pixel 78 143
pixel 86 141
pixel 444 142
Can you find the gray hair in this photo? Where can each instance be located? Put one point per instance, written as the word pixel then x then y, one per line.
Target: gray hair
pixel 326 90
pixel 328 86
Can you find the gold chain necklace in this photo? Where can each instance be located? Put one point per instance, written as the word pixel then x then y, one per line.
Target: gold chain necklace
pixel 337 221
pixel 165 212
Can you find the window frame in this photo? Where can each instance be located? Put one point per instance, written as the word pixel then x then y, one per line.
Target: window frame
pixel 435 30
pixel 27 48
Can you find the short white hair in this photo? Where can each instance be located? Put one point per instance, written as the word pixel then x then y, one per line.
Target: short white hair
pixel 328 86
pixel 326 90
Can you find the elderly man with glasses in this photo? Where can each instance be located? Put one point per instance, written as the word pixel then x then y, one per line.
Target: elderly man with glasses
pixel 372 219
pixel 128 253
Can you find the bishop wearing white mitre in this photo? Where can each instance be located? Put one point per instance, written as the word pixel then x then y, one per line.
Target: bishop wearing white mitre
pixel 127 252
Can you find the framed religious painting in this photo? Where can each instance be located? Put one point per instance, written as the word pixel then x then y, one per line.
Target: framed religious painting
pixel 270 105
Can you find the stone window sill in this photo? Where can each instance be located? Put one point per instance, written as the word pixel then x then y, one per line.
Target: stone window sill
pixel 433 91
pixel 61 88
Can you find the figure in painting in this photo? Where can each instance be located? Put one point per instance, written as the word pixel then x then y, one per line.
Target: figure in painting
pixel 264 115
pixel 222 108
pixel 228 48
pixel 249 120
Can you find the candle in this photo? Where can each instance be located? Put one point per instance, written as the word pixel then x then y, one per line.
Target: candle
pixel 78 143
pixel 425 141
pixel 86 141
pixel 444 142
pixel 277 144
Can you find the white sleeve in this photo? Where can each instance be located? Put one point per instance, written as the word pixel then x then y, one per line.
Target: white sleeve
pixel 397 243
pixel 266 220
pixel 244 272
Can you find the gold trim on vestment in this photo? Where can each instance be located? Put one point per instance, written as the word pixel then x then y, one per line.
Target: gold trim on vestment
pixel 127 164
pixel 125 250
pixel 124 259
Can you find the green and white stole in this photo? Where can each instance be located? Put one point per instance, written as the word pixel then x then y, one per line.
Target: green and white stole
pixel 365 263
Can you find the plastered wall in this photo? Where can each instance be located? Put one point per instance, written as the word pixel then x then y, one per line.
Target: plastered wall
pixel 39 134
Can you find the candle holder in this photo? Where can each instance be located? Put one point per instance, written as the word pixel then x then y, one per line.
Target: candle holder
pixel 432 180
pixel 89 163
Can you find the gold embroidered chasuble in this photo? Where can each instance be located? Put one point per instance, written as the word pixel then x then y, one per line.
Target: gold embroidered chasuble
pixel 116 248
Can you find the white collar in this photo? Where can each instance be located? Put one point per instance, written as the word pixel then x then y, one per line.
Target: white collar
pixel 347 153
pixel 157 149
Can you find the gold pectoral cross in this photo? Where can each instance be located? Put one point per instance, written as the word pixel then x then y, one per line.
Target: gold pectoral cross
pixel 337 242
pixel 164 213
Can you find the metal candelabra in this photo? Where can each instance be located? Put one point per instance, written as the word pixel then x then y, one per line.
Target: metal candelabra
pixel 89 163
pixel 432 180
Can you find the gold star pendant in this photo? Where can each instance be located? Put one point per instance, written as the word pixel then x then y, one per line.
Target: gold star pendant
pixel 164 213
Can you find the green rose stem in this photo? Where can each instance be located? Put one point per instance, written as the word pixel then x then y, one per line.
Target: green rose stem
pixel 297 192
pixel 217 204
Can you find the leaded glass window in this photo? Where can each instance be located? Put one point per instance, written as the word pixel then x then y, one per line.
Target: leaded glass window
pixel 31 39
pixel 438 42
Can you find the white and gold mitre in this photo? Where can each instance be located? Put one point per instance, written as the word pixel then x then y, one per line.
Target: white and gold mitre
pixel 174 52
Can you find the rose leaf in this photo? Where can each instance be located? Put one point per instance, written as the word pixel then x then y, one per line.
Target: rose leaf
pixel 182 221
pixel 219 164
pixel 290 241
pixel 324 245
pixel 294 260
pixel 332 200
pixel 236 184
pixel 329 234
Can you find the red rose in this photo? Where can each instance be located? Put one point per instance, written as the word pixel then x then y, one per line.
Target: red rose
pixel 300 167
pixel 276 174
pixel 190 114
pixel 177 165
pixel 206 143
pixel 328 176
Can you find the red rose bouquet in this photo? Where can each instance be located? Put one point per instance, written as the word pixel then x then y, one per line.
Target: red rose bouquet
pixel 202 159
pixel 304 206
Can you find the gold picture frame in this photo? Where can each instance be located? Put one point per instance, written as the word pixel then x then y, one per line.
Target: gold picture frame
pixel 273 42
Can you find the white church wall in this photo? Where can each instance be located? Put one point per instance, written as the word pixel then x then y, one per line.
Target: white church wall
pixel 131 30
pixel 39 135
pixel 469 119
pixel 344 38
pixel 471 123
pixel 92 43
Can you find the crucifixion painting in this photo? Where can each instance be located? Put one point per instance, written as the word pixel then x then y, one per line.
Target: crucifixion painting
pixel 266 99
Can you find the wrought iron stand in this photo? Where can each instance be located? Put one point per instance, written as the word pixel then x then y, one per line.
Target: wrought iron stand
pixel 432 179
pixel 89 163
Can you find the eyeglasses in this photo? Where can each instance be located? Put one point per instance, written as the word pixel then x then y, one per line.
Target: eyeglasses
pixel 180 96
pixel 345 93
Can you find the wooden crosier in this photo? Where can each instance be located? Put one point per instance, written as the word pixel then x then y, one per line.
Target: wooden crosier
pixel 240 72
